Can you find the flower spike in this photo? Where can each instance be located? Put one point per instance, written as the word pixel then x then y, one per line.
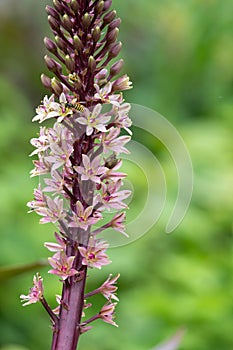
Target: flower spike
pixel 77 158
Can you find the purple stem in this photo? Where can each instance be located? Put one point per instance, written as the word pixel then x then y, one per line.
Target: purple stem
pixel 66 336
pixel 90 294
pixel 93 318
pixel 53 317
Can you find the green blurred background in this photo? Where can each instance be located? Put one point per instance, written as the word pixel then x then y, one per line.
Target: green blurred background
pixel 179 56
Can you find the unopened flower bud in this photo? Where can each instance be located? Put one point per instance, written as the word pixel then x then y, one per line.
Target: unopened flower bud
pixel 107 4
pixel 115 24
pixel 56 86
pixel 52 65
pixel 116 48
pixel 102 74
pixel 68 25
pixel 58 6
pixel 46 81
pixel 69 63
pixel 52 12
pixel 77 43
pixel 50 45
pixel 116 68
pixel 86 20
pixel 92 63
pixel 54 24
pixel 74 5
pixel 61 43
pixel 109 17
pixel 112 36
pixel 99 7
pixel 96 34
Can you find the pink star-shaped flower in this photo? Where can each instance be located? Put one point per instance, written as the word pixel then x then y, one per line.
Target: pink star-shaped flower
pixel 35 293
pixel 83 218
pixel 94 255
pixel 62 267
pixel 107 313
pixel 91 170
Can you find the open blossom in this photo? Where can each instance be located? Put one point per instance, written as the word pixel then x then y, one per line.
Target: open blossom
pixel 122 83
pixel 58 247
pixel 46 110
pixel 105 96
pixel 51 109
pixel 111 197
pixel 55 183
pixel 62 266
pixel 83 218
pixel 91 170
pixel 42 167
pixel 107 313
pixel 117 223
pixel 39 199
pixel 53 211
pixel 60 151
pixel 94 255
pixel 108 288
pixel 122 120
pixel 94 120
pixel 35 293
pixel 41 143
pixel 111 141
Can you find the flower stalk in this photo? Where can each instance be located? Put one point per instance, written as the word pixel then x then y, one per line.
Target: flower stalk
pixel 78 159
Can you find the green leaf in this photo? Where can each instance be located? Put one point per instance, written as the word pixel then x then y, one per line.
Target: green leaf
pixel 11 271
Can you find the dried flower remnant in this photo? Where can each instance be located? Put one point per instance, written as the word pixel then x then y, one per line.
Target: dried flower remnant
pixel 77 158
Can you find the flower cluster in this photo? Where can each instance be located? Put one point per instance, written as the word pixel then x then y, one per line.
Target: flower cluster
pixel 78 156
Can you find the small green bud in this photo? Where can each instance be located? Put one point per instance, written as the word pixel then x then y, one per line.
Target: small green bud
pixel 58 6
pixel 96 34
pixel 67 22
pixel 61 43
pixel 92 63
pixel 77 43
pixel 75 6
pixel 99 7
pixel 69 63
pixel 86 20
pixel 56 86
pixel 54 24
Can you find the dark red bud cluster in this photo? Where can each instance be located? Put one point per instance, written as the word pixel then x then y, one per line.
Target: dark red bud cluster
pixel 85 42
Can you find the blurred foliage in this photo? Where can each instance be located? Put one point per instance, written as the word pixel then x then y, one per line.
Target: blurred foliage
pixel 179 56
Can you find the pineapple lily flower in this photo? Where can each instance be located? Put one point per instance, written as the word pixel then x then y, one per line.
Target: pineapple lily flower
pixel 78 158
